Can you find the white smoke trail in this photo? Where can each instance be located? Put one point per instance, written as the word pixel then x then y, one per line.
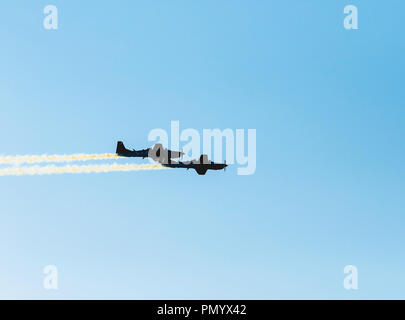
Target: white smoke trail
pixel 56 158
pixel 52 169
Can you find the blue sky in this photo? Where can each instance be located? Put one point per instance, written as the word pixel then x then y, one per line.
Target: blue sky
pixel 328 107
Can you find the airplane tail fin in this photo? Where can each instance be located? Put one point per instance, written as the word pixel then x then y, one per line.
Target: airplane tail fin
pixel 120 147
pixel 204 159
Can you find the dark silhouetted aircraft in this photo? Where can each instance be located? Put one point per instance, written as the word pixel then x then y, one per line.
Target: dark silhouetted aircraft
pixel 157 153
pixel 200 165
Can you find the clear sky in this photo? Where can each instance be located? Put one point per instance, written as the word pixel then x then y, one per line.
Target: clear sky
pixel 328 107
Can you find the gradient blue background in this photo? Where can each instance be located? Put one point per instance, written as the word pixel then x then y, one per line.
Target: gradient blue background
pixel 328 106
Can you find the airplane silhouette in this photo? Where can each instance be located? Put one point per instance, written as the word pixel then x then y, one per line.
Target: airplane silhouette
pixel 200 165
pixel 157 152
pixel 164 156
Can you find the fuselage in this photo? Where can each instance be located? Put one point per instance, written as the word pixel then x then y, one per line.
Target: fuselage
pixel 201 168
